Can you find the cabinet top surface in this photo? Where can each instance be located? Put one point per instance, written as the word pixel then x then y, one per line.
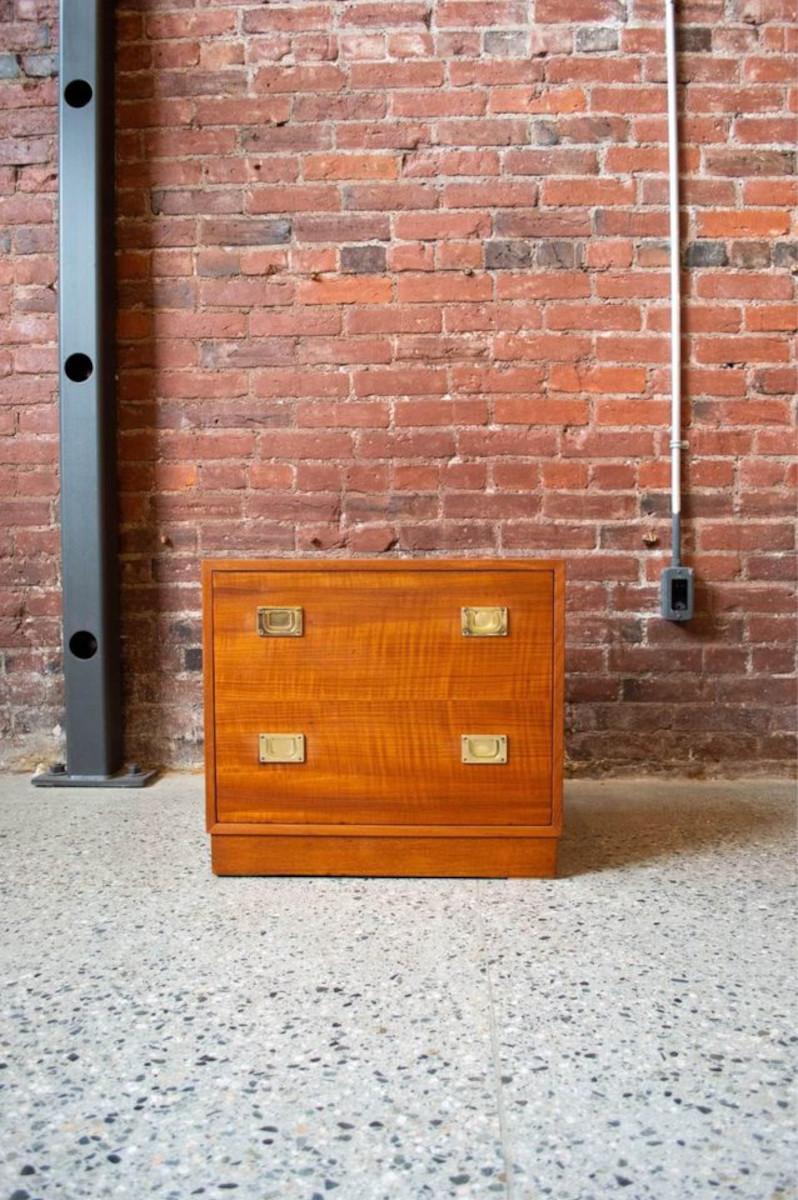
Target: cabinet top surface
pixel 215 565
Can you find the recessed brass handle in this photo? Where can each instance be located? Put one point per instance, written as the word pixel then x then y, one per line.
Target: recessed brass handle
pixel 281 747
pixel 280 622
pixel 484 749
pixel 483 622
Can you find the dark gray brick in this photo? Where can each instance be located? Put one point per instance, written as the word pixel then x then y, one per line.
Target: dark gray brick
pixel 363 260
pixel 558 253
pixel 593 39
pixel 506 43
pixel 243 231
pixel 507 256
pixel 706 254
pixel 543 133
pixel 785 254
pixel 695 40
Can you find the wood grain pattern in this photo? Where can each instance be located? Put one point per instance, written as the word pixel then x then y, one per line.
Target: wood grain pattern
pixel 558 697
pixel 400 640
pixel 421 856
pixel 377 761
pixel 280 829
pixel 383 684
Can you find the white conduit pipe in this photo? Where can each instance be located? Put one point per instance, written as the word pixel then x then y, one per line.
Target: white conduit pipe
pixel 676 443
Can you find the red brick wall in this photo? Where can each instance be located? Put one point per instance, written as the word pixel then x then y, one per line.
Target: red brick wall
pixel 393 280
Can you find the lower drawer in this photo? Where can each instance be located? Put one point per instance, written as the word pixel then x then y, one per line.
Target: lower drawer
pixel 390 763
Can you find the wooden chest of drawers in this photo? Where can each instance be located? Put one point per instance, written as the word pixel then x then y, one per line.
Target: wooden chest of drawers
pixel 383 717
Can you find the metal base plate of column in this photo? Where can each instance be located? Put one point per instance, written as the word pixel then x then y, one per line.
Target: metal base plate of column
pixel 130 777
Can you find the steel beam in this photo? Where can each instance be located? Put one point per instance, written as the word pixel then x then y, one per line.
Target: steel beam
pixel 88 401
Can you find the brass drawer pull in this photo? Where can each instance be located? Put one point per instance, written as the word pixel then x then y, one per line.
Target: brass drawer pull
pixel 483 622
pixel 281 747
pixel 280 622
pixel 484 748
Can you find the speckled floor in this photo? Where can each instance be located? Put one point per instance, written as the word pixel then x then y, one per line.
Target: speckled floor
pixel 624 1030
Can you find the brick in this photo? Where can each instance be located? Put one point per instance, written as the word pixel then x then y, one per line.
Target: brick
pixel 451 162
pixel 432 226
pixel 776 381
pixel 595 40
pixel 540 347
pixel 389 197
pixel 706 254
pixel 757 286
pixel 363 260
pixel 740 223
pixel 560 161
pixel 598 379
pixel 322 77
pixel 506 43
pixel 367 15
pixel 539 410
pixel 350 166
pixel 604 254
pixel 489 195
pixel 519 224
pixel 466 132
pixel 745 163
pixel 532 100
pixel 407 45
pixel 741 350
pixel 382 135
pixel 773 317
pixel 400 382
pixel 396 75
pixel 785 254
pixel 767 192
pixel 558 253
pixel 367 289
pixel 497 379
pixel 395 319
pixel 502 256
pixel 593 316
pixel 412 256
pixel 628 99
pixel 750 255
pixel 299 198
pixel 246 232
pixel 440 288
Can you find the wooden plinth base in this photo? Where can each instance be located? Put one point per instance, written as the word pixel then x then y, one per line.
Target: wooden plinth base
pixel 486 857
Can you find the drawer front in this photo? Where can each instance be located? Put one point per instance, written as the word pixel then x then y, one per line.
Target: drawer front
pixel 382 635
pixel 381 762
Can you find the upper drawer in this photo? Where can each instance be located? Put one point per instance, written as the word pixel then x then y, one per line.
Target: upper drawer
pixel 389 635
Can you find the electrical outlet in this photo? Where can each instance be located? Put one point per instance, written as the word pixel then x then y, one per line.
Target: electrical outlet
pixel 676 593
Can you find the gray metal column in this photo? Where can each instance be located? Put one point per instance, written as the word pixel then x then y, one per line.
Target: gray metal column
pixel 88 401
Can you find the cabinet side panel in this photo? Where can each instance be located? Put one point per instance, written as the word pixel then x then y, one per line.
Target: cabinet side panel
pixel 208 682
pixel 558 697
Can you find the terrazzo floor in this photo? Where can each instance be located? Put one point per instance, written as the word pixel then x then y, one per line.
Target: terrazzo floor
pixel 625 1030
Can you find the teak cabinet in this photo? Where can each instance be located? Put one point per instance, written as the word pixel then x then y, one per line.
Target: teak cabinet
pixel 383 717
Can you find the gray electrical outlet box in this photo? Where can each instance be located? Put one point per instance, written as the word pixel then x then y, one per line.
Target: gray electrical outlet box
pixel 676 593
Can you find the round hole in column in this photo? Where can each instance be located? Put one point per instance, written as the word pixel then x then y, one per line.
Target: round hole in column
pixel 83 644
pixel 78 93
pixel 78 367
